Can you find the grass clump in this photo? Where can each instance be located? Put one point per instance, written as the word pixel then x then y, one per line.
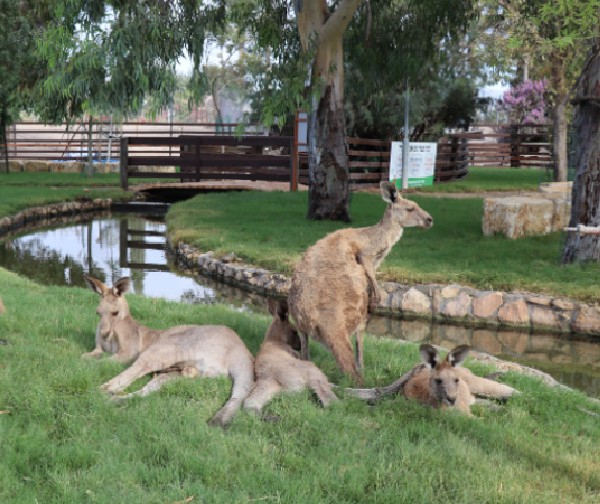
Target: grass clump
pixel 63 441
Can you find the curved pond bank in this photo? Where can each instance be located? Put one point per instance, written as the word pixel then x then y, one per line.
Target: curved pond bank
pixel 61 242
pixel 445 303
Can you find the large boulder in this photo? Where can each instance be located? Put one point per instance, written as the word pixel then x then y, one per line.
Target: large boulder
pixel 518 216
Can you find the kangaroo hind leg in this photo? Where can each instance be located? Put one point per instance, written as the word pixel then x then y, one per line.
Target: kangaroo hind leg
pixel 153 385
pixel 146 363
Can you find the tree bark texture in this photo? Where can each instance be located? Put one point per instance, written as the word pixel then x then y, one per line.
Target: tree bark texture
pixel 322 33
pixel 562 91
pixel 328 162
pixel 559 139
pixel 586 185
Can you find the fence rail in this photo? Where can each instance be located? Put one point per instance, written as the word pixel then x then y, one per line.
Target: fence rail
pixel 202 158
pixel 36 141
pixel 162 144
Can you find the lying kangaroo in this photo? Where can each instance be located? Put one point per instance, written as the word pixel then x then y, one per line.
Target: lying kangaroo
pixel 278 367
pixel 329 292
pixel 440 384
pixel 195 350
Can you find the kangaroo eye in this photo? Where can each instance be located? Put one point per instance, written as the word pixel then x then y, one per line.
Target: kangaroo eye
pixel 456 380
pixel 410 209
pixel 438 381
pixel 114 313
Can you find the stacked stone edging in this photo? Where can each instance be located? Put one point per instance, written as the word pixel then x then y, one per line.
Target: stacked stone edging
pixel 52 211
pixel 446 303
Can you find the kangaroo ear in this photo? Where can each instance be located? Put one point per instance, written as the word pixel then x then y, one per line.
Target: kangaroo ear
pixel 457 356
pixel 272 306
pixel 96 285
pixel 122 286
pixel 428 355
pixel 278 308
pixel 282 310
pixel 389 193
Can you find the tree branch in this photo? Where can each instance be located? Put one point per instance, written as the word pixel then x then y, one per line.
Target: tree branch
pixel 336 24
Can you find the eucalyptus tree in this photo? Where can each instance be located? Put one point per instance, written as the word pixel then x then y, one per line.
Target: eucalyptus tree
pixel 388 41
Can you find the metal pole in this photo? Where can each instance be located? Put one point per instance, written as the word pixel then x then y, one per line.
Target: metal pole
pixel 405 141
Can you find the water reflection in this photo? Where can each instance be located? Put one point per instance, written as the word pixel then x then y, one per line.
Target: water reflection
pixel 572 361
pixel 111 246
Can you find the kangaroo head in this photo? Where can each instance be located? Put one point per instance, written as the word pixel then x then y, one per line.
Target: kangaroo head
pixel 404 212
pixel 444 380
pixel 112 307
pixel 281 329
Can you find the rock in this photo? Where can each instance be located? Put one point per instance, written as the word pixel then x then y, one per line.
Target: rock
pixel 457 307
pixel 486 305
pixel 514 313
pixel 587 320
pixel 516 217
pixel 414 301
pixel 14 166
pixel 36 166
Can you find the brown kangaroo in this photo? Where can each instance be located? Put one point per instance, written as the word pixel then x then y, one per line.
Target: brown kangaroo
pixel 278 367
pixel 440 384
pixel 193 350
pixel 329 292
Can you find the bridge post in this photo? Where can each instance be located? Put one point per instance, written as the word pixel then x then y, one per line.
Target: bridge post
pixel 124 163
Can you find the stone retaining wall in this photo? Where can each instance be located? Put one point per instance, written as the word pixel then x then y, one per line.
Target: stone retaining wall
pixel 448 303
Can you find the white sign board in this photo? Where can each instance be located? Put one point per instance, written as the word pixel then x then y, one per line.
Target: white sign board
pixel 421 163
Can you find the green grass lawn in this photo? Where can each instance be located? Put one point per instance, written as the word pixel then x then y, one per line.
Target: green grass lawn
pixel 24 190
pixel 64 442
pixel 274 233
pixel 494 179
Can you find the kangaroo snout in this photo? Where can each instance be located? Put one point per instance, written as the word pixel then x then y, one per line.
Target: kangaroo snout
pixel 427 222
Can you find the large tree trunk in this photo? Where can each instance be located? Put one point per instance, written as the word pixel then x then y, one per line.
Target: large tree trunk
pixel 323 32
pixel 328 161
pixel 559 138
pixel 586 186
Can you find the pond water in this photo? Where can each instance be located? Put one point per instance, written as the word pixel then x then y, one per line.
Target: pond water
pixel 112 245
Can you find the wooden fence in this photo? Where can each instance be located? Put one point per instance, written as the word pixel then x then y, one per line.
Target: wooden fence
pixel 162 144
pixel 509 145
pixel 369 161
pixel 36 141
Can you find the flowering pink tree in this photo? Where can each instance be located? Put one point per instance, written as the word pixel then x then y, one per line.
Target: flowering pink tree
pixel 525 104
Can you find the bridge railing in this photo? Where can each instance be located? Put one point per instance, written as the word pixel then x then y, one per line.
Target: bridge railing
pixel 201 158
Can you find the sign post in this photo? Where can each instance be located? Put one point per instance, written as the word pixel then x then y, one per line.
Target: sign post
pixel 421 163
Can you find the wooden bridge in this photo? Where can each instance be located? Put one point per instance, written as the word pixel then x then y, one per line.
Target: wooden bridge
pixel 196 159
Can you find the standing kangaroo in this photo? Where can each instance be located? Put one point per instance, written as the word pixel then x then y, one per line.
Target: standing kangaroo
pixel 278 367
pixel 193 350
pixel 329 292
pixel 440 383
